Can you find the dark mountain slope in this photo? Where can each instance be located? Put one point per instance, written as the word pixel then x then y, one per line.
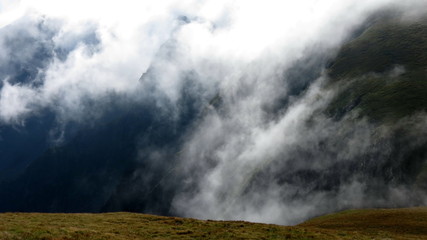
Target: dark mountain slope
pixel 30 51
pixel 104 166
pixel 19 145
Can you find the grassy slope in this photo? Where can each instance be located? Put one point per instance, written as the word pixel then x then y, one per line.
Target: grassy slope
pixel 364 72
pixel 380 47
pixel 354 224
pixel 409 223
pixel 366 65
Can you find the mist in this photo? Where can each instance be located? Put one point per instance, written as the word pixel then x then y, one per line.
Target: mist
pixel 238 88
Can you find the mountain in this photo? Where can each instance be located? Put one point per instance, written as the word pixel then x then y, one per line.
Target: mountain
pixel 370 139
pixel 95 163
pixel 386 67
pixel 382 76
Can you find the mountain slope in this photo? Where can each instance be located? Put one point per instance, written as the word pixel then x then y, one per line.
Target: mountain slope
pixel 382 76
pixel 370 141
pixel 386 71
pixel 92 170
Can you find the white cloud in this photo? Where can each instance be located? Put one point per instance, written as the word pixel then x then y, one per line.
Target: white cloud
pixel 15 100
pixel 223 35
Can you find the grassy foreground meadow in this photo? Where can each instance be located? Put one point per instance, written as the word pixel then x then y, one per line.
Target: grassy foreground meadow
pixel 410 223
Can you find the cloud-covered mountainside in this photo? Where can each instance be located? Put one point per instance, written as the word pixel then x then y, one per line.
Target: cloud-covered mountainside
pixel 270 112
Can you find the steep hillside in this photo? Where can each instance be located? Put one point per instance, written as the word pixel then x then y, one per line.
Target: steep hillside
pixel 353 224
pixel 385 70
pixel 382 75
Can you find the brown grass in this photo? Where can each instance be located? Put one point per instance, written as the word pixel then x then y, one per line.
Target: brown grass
pixel 355 224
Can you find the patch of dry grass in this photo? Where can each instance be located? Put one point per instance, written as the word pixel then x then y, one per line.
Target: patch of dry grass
pixel 408 223
pixel 360 224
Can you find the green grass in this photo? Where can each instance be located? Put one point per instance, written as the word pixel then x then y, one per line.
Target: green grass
pixel 354 224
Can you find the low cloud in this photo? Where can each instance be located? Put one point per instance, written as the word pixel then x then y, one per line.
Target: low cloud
pixel 266 152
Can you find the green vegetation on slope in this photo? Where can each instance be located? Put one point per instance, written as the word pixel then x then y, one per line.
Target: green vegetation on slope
pixel 368 67
pixel 382 46
pixel 382 99
pixel 355 224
